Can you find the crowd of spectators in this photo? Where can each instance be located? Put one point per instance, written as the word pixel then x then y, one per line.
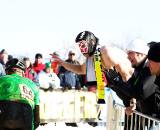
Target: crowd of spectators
pixel 135 80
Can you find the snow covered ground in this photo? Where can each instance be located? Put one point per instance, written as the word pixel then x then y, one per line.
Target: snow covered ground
pixel 61 125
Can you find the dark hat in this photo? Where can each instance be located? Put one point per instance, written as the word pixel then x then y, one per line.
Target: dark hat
pixel 26 59
pixel 38 55
pixel 154 51
pixel 56 53
pixel 3 51
pixel 10 57
pixel 71 52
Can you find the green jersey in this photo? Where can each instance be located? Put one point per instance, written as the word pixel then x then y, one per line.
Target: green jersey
pixel 16 88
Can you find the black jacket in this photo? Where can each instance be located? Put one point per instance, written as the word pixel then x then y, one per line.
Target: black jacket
pixel 157 97
pixel 140 86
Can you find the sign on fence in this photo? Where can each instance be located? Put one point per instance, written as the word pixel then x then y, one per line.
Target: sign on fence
pixel 70 106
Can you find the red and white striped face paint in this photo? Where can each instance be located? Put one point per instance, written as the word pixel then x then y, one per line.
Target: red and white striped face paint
pixel 83 46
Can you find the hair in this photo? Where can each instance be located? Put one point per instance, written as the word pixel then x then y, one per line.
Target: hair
pixel 154 51
pixel 38 55
pixel 27 59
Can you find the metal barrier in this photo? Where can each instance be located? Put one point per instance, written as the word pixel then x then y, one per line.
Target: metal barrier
pixel 76 106
pixel 139 121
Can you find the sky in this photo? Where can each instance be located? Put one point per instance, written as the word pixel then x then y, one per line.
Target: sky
pixel 31 26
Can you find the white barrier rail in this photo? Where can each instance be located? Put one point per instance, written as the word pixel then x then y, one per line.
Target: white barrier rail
pixel 76 106
pixel 70 106
pixel 139 121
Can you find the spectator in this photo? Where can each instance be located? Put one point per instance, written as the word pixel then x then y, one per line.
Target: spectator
pixel 89 44
pixel 3 60
pixel 69 79
pixel 54 64
pixel 10 57
pixel 29 72
pixel 89 47
pixel 3 57
pixel 38 66
pixel 47 79
pixel 2 71
pixel 141 85
pixel 19 100
pixel 154 66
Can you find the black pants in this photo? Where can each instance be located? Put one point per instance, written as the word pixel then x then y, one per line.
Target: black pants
pixel 15 115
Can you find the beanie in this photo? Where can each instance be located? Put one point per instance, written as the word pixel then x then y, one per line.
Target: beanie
pixel 154 52
pixel 47 65
pixel 138 45
pixel 3 51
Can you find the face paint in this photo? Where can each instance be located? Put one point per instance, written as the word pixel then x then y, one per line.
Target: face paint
pixel 83 47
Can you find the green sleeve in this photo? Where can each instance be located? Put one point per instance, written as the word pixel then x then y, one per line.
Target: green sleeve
pixel 36 98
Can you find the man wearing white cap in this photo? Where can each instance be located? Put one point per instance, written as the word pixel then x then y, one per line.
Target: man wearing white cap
pixel 137 52
pixel 141 85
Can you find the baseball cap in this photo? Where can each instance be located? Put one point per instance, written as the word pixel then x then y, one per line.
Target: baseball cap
pixel 71 52
pixel 138 45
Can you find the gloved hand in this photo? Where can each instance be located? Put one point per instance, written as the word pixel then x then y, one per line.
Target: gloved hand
pixel 113 78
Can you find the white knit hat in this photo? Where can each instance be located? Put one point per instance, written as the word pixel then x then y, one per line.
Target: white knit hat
pixel 138 45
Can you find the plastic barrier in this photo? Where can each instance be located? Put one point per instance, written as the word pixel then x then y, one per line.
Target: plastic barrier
pixel 70 106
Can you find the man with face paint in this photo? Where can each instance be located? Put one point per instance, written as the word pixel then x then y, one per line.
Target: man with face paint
pixel 88 43
pixel 110 58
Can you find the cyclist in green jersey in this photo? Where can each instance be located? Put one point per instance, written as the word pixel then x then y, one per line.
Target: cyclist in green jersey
pixel 19 99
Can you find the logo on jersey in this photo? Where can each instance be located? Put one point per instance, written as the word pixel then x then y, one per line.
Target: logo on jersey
pixel 26 92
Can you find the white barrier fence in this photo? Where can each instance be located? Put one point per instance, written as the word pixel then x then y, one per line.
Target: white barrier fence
pixel 76 106
pixel 70 106
pixel 138 121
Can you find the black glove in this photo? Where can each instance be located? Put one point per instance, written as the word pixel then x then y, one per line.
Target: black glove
pixel 113 78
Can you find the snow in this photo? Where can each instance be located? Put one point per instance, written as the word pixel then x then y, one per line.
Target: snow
pixel 61 125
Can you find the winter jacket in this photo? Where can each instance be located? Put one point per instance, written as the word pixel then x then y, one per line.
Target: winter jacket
pixel 140 86
pixel 38 67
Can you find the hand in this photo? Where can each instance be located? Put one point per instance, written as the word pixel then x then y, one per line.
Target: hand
pixel 57 59
pixel 112 77
pixel 129 110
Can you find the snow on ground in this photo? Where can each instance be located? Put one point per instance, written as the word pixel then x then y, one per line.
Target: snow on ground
pixel 61 125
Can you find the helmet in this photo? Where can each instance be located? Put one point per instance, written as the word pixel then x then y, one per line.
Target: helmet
pixel 15 63
pixel 91 40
